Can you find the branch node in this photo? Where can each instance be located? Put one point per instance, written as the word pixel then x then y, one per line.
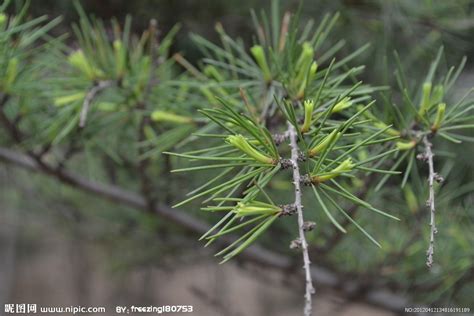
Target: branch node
pixel 309 226
pixel 280 138
pixel 286 163
pixel 422 157
pixel 306 180
pixel 301 156
pixel 296 244
pixel 287 209
pixel 438 178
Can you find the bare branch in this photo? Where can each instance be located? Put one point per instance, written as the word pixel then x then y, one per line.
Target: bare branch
pixel 9 126
pixel 90 96
pixel 428 156
pixel 301 223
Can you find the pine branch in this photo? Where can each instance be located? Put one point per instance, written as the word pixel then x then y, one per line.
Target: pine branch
pixel 301 223
pixel 428 156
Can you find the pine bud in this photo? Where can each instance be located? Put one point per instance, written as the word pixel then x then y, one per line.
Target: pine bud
pixel 403 145
pixel 344 167
pixel 259 55
pixel 212 72
pixel 209 95
pixel 437 95
pixel 305 67
pixel 60 101
pixel 439 117
pixel 144 73
pixel 255 208
pixel 342 105
pixel 11 73
pixel 149 132
pixel 162 116
pixel 78 60
pixel 3 19
pixel 106 106
pixel 307 78
pixel 389 131
pixel 306 56
pixel 120 58
pixel 308 115
pixel 328 140
pixel 313 70
pixel 425 98
pixel 241 143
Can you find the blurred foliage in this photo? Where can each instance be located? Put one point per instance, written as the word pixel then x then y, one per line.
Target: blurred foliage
pixel 414 28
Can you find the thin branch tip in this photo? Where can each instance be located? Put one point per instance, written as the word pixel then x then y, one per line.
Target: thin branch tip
pixel 89 98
